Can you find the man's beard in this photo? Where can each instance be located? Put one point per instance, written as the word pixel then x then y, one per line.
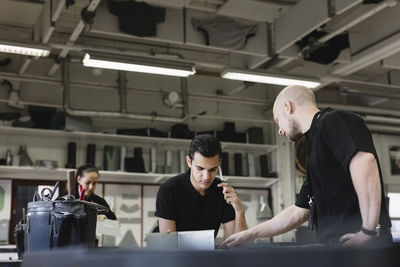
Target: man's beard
pixel 295 132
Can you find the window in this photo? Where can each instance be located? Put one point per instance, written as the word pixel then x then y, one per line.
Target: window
pixel 394 213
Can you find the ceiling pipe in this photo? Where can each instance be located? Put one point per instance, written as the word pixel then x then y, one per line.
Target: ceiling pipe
pixel 388 87
pixel 278 2
pixel 383 129
pixel 381 120
pixel 152 117
pixel 236 100
pixel 65 86
pixel 362 109
pixel 29 78
pixel 26 103
pixel 102 86
pixel 348 91
pixel 102 114
pixel 244 85
pixel 185 99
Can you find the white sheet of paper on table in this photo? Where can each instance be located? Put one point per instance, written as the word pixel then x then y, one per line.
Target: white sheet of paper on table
pixel 108 227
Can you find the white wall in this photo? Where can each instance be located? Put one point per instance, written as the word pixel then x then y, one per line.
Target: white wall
pixel 383 142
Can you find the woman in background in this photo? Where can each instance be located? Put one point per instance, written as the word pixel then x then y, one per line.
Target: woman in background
pixel 87 177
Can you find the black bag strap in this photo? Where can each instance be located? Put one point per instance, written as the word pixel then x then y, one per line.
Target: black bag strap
pixel 312 218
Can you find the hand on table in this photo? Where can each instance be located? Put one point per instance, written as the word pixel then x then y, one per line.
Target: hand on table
pixel 356 239
pixel 241 238
pixel 101 217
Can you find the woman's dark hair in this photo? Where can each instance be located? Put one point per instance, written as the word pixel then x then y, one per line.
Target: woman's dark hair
pixel 207 146
pixel 86 168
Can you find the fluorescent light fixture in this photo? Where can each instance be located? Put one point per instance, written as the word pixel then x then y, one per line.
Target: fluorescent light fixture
pixel 255 77
pixel 24 49
pixel 144 65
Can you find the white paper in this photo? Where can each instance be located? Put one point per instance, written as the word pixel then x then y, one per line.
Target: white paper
pixel 108 227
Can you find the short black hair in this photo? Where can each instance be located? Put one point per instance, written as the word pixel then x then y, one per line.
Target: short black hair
pixel 206 145
pixel 86 168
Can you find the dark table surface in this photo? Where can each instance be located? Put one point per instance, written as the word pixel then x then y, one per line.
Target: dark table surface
pixel 273 254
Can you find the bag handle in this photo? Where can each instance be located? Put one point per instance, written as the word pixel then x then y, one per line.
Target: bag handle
pixel 71 186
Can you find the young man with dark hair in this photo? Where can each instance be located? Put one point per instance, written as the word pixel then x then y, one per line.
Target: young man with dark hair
pixel 196 200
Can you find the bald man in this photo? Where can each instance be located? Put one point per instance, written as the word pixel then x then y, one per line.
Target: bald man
pixel 342 197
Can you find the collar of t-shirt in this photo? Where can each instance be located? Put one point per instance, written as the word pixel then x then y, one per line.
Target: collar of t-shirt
pixel 192 190
pixel 314 123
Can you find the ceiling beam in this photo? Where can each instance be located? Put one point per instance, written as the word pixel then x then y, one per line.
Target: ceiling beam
pixel 73 37
pixel 386 48
pixel 50 13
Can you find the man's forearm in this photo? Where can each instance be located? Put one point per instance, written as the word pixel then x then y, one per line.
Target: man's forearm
pixel 365 176
pixel 240 221
pixel 286 220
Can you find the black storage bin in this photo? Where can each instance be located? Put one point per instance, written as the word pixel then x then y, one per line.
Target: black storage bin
pixel 41 116
pixel 135 164
pixel 264 166
pixel 91 154
pixel 139 131
pixel 225 163
pixel 142 132
pixel 256 135
pixel 182 131
pixel 211 133
pixel 157 133
pixel 71 156
pixel 238 164
pixel 229 134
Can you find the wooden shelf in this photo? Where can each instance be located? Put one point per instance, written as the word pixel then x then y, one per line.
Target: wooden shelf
pixel 15 172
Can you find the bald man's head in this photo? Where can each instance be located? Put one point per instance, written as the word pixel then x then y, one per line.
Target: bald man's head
pixel 293 111
pixel 298 95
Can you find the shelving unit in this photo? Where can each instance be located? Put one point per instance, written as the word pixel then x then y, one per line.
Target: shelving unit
pixel 38 173
pixel 52 145
pixel 93 137
pixel 15 172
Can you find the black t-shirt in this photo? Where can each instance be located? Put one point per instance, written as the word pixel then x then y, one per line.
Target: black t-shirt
pixel 99 200
pixel 334 138
pixel 137 18
pixel 179 201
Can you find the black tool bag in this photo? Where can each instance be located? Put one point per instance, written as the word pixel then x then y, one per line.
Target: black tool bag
pixel 72 223
pixel 20 238
pixel 59 223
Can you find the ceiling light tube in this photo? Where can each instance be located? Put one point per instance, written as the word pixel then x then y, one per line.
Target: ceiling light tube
pixel 24 49
pixel 242 75
pixel 144 65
